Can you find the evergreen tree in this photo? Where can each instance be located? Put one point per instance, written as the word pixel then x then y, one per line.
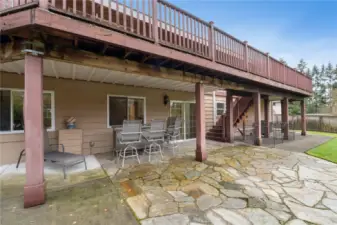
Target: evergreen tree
pixel 330 79
pixel 301 66
pixel 283 61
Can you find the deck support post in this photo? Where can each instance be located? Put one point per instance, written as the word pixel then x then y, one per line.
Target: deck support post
pixel 285 118
pixel 303 119
pixel 257 110
pixel 200 154
pixel 34 189
pixel 266 117
pixel 229 117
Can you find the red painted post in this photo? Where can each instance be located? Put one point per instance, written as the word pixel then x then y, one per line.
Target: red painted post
pixel 268 65
pixel 229 117
pixel 285 118
pixel 266 117
pixel 211 41
pixel 257 110
pixel 43 4
pixel 246 56
pixel 303 119
pixel 155 22
pixel 200 153
pixel 34 189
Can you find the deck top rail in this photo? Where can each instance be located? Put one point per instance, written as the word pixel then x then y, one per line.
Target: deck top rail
pixel 163 23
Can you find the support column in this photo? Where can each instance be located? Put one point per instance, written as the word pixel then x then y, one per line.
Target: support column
pixel 34 190
pixel 200 153
pixel 257 110
pixel 303 119
pixel 285 118
pixel 266 117
pixel 229 117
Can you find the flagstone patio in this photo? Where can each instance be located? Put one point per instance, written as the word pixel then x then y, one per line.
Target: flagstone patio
pixel 236 185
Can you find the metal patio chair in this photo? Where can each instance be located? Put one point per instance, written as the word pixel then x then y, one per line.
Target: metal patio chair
pixel 172 133
pixel 55 154
pixel 130 135
pixel 155 138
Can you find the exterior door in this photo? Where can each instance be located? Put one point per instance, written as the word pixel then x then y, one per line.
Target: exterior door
pixel 186 111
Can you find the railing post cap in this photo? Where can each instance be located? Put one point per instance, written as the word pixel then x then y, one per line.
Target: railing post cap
pixel 245 42
pixel 267 53
pixel 211 22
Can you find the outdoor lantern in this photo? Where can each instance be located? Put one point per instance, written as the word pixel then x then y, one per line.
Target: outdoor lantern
pixel 166 99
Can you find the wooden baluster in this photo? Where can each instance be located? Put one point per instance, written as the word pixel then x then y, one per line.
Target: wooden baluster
pixel 117 13
pixel 179 29
pixel 183 22
pixel 154 15
pixel 165 23
pixel 110 12
pixel 131 16
pixel 84 8
pixel 64 4
pixel 137 6
pixel 188 35
pixel 160 22
pixel 124 15
pixel 246 56
pixel 101 11
pixel 170 24
pixel 74 6
pixel 93 9
pixel 211 41
pixel 52 3
pixel 144 17
pixel 175 26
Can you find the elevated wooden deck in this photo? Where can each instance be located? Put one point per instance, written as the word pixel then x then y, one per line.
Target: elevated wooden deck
pixel 162 29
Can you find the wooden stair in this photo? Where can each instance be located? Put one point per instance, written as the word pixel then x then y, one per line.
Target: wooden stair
pixel 241 107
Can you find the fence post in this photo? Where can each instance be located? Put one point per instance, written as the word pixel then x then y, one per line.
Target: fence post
pixel 211 41
pixel 246 56
pixel 154 22
pixel 268 65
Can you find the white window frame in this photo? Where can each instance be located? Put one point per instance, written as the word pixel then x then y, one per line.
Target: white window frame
pixel 216 108
pixel 123 96
pixel 52 93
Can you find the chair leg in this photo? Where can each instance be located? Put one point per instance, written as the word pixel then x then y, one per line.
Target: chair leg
pixel 150 152
pixel 19 160
pixel 136 151
pixel 64 172
pixel 85 163
pixel 124 156
pixel 160 151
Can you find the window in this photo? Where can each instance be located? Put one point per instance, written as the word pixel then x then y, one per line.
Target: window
pixel 220 108
pixel 11 110
pixel 125 108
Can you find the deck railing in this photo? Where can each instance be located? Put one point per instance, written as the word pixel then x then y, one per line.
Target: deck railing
pixel 165 24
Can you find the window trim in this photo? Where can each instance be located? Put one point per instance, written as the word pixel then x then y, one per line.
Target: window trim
pixel 123 96
pixel 52 93
pixel 216 108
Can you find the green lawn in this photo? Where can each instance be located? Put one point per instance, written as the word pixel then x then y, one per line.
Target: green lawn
pixel 328 150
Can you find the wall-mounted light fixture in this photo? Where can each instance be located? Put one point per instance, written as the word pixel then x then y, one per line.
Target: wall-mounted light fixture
pixel 166 99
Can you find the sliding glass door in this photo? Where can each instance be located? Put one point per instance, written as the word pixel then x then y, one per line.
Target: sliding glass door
pixel 186 111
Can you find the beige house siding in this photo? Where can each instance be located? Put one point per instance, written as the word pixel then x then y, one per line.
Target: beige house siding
pixel 87 102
